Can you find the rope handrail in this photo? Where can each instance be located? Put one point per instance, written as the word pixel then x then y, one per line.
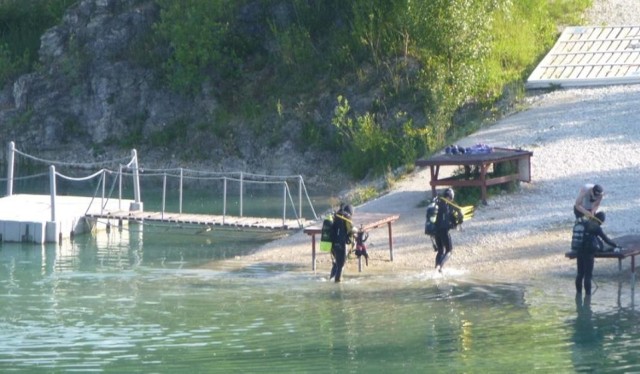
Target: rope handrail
pixel 33 176
pixel 80 179
pixel 229 174
pixel 133 169
pixel 87 165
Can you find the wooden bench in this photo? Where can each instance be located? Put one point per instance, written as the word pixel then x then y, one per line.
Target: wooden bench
pixel 631 248
pixel 520 161
pixel 369 221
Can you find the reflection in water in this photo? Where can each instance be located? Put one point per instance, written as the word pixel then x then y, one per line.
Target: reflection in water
pixel 588 352
pixel 605 341
pixel 137 300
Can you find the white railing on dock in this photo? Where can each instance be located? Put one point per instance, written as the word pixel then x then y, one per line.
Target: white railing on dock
pixel 131 168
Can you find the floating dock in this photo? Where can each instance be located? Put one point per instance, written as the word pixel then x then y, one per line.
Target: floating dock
pixel 28 218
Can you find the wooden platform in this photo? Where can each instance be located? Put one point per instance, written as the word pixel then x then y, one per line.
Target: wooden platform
pixel 631 248
pixel 520 161
pixel 369 221
pixel 590 56
pixel 203 220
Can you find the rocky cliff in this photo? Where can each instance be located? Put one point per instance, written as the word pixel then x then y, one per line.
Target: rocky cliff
pixel 89 99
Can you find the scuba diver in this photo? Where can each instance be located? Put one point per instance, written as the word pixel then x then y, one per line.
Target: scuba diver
pixel 340 237
pixel 591 242
pixel 448 216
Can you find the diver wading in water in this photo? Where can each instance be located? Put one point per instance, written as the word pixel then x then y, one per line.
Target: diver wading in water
pixel 341 233
pixel 447 216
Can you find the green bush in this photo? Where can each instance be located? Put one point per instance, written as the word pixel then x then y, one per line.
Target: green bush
pixel 22 22
pixel 440 56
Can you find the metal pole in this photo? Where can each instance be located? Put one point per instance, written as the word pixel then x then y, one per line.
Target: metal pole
pixel 164 192
pixel 52 188
pixel 10 160
pixel 120 187
pixel 136 176
pixel 180 199
pixel 104 182
pixel 241 191
pixel 300 196
pixel 284 203
pixel 224 198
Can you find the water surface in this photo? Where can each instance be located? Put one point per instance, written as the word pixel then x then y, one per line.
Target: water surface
pixel 139 300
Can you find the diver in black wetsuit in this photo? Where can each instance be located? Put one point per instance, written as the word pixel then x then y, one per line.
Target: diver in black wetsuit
pixel 586 256
pixel 340 237
pixel 448 217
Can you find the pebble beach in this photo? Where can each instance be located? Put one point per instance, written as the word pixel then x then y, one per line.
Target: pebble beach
pixel 577 136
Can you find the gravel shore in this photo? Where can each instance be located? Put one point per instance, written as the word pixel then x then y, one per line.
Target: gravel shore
pixel 577 136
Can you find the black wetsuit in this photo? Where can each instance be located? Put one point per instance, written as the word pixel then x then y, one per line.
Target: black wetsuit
pixel 586 257
pixel 445 221
pixel 340 237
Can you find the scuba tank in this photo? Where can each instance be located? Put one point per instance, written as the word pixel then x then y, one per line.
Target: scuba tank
pixel 430 223
pixel 325 234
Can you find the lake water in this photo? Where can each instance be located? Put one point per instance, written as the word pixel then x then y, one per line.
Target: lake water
pixel 140 300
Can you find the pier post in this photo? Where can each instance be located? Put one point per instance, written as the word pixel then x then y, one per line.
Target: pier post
pixel 137 205
pixel 52 188
pixel 164 193
pixel 241 191
pixel 119 187
pixel 10 160
pixel 284 203
pixel 300 195
pixel 180 201
pixel 224 198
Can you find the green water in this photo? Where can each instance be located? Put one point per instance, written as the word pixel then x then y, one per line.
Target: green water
pixel 141 300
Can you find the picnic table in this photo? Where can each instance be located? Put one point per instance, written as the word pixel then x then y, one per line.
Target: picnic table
pixel 519 168
pixel 369 221
pixel 630 248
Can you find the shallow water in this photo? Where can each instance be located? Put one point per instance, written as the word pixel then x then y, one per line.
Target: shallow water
pixel 139 300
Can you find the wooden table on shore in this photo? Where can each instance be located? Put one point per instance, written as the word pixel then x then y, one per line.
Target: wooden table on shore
pixel 630 248
pixel 369 221
pixel 519 160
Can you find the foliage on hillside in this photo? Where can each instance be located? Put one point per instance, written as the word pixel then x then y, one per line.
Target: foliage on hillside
pixel 402 75
pixel 438 56
pixel 22 22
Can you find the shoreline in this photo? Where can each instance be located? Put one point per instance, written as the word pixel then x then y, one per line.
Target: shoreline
pixel 576 136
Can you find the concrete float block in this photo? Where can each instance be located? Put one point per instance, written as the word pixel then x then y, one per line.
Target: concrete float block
pixel 51 232
pixel 12 231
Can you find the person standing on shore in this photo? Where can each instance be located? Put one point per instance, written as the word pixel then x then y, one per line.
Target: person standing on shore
pixel 588 200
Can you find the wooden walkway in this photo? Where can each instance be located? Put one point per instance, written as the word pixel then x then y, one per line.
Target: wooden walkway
pixel 203 220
